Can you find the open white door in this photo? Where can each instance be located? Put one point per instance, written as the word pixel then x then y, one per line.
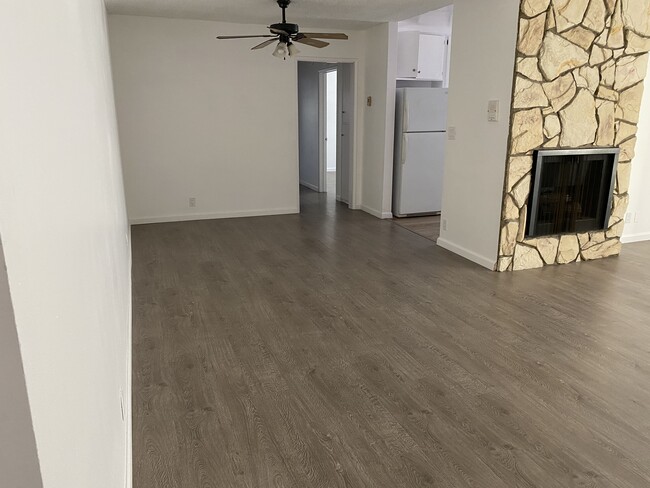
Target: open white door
pixel 345 143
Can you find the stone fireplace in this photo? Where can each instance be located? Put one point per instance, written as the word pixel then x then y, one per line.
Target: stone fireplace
pixel 578 84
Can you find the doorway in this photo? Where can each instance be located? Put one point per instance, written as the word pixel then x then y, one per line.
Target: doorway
pixel 326 129
pixel 423 54
pixel 329 95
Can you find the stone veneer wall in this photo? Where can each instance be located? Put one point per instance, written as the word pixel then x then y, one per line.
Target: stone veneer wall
pixel 579 76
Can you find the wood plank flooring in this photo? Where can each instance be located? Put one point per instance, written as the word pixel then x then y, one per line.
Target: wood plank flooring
pixel 332 349
pixel 427 226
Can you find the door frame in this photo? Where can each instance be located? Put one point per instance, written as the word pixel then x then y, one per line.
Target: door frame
pixel 322 129
pixel 357 122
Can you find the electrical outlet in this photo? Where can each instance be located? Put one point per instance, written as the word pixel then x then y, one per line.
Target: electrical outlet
pixel 628 217
pixel 451 133
pixel 444 224
pixel 192 202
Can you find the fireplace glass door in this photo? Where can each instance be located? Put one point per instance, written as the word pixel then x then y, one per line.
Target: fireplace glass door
pixel 572 191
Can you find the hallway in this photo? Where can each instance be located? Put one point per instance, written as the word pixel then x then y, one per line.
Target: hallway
pixel 331 349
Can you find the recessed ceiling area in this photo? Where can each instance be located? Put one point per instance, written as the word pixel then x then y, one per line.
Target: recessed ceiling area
pixel 352 14
pixel 438 22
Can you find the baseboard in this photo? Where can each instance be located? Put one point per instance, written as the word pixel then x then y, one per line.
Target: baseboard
pixel 376 213
pixel 644 236
pixel 309 185
pixel 214 215
pixel 466 253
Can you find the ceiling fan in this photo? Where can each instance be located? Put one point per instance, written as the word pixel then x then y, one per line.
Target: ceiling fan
pixel 286 34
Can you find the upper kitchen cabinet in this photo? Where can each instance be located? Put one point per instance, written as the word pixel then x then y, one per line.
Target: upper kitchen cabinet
pixel 421 56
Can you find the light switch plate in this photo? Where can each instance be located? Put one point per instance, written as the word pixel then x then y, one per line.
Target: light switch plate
pixel 493 111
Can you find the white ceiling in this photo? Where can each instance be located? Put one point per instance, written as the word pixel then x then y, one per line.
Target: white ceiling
pixel 435 22
pixel 351 14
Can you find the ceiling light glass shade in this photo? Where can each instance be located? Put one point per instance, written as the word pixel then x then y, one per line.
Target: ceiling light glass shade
pixel 293 50
pixel 281 50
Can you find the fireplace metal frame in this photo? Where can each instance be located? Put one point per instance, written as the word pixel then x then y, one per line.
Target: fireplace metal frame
pixel 537 174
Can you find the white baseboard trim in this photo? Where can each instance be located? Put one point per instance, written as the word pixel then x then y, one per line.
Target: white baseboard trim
pixel 376 213
pixel 466 253
pixel 309 185
pixel 644 236
pixel 213 215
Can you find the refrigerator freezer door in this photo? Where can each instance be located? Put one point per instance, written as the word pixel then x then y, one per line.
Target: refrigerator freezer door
pixel 424 110
pixel 419 173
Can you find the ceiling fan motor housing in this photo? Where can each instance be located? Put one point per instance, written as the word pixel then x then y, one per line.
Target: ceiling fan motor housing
pixel 290 29
pixel 284 29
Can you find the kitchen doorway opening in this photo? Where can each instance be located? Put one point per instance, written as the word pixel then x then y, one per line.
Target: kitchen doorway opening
pixel 326 129
pixel 423 65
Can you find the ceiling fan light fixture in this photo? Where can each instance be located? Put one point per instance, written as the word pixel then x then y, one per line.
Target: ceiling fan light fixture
pixel 281 50
pixel 293 50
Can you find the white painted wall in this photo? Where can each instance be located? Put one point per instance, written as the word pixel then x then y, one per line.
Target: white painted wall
pixel 308 121
pixel 65 237
pixel 203 118
pixel 331 103
pixel 638 229
pixel 19 466
pixel 381 70
pixel 209 119
pixel 482 63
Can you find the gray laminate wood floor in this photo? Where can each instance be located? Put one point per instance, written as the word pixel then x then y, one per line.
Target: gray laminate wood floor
pixel 427 226
pixel 332 349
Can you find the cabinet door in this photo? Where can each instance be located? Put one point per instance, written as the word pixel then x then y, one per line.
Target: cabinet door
pixel 408 45
pixel 431 57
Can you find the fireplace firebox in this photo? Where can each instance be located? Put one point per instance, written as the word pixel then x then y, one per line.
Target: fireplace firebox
pixel 571 191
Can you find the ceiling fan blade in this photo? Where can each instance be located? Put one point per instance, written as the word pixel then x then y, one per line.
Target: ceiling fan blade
pixel 311 42
pixel 278 32
pixel 264 44
pixel 242 37
pixel 325 35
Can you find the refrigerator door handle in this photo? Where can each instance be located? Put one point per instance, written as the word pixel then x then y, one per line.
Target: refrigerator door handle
pixel 404 146
pixel 405 115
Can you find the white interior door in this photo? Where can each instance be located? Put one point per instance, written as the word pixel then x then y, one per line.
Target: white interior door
pixel 345 146
pixel 421 173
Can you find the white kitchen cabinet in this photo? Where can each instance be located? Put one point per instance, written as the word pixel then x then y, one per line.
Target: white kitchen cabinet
pixel 421 56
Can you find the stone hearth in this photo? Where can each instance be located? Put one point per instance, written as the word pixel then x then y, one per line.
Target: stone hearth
pixel 579 75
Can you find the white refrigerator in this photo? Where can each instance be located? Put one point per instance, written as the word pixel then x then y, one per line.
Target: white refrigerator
pixel 420 138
